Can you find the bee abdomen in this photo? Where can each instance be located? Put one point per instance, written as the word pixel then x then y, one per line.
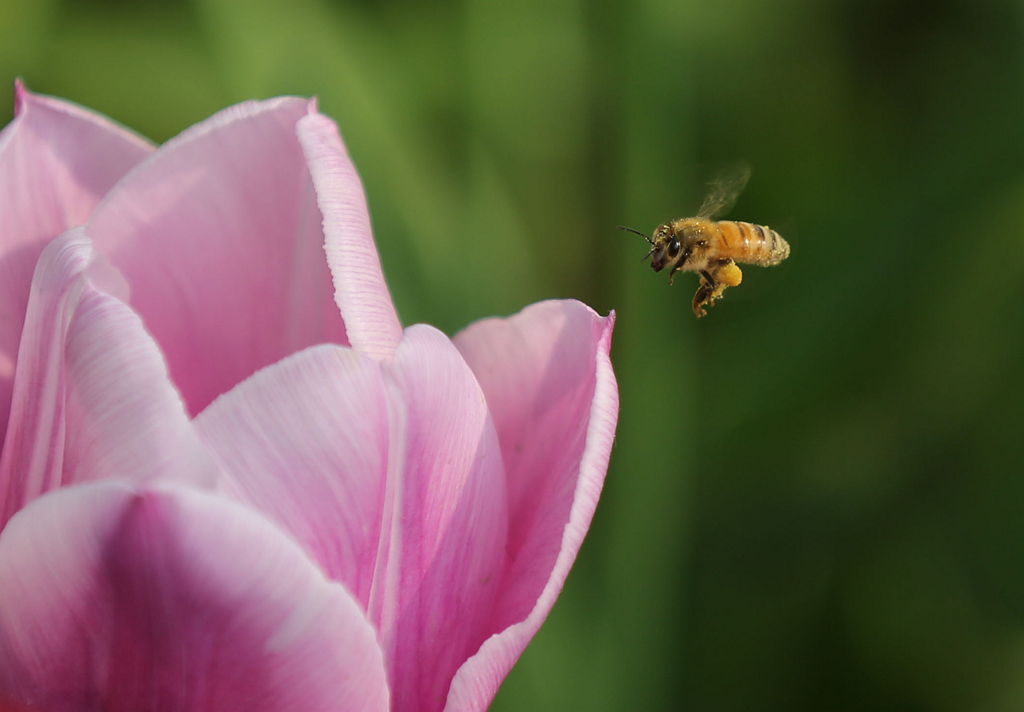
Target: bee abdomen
pixel 752 244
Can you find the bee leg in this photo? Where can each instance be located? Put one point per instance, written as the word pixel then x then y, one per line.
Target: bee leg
pixel 700 299
pixel 679 267
pixel 714 287
pixel 708 292
pixel 705 294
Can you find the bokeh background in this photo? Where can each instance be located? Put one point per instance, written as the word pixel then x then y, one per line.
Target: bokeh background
pixel 816 501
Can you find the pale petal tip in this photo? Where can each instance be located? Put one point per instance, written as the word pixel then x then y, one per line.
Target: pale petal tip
pixel 314 105
pixel 20 95
pixel 609 324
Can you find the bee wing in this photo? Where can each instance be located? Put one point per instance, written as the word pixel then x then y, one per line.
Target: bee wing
pixel 723 190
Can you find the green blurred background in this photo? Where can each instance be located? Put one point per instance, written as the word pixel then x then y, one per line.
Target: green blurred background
pixel 815 500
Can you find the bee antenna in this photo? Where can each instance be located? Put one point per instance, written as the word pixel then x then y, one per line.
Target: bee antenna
pixel 637 232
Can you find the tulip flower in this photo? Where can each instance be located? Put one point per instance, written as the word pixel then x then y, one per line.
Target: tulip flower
pixel 230 479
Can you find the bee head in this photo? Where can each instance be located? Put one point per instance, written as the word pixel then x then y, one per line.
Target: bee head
pixel 665 247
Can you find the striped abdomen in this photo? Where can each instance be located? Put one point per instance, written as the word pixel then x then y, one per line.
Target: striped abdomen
pixel 749 243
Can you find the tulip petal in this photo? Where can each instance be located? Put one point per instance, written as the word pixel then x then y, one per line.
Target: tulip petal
pixel 162 598
pixel 390 474
pixel 443 548
pixel 220 238
pixel 359 287
pixel 92 398
pixel 57 160
pixel 305 441
pixel 550 386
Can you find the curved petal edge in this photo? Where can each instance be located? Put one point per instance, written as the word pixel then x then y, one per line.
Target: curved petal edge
pixel 478 680
pixel 360 290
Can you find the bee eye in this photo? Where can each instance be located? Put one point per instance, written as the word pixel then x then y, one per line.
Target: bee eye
pixel 673 248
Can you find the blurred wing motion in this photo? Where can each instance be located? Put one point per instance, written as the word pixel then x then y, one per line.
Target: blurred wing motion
pixel 723 191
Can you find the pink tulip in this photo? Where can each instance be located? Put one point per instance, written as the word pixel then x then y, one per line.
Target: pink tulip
pixel 223 489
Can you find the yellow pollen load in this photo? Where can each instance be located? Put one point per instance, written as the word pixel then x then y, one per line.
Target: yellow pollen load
pixel 730 275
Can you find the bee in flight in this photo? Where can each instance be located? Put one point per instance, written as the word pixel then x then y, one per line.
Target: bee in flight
pixel 711 248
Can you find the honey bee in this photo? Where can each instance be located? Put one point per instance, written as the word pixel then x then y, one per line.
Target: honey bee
pixel 711 248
